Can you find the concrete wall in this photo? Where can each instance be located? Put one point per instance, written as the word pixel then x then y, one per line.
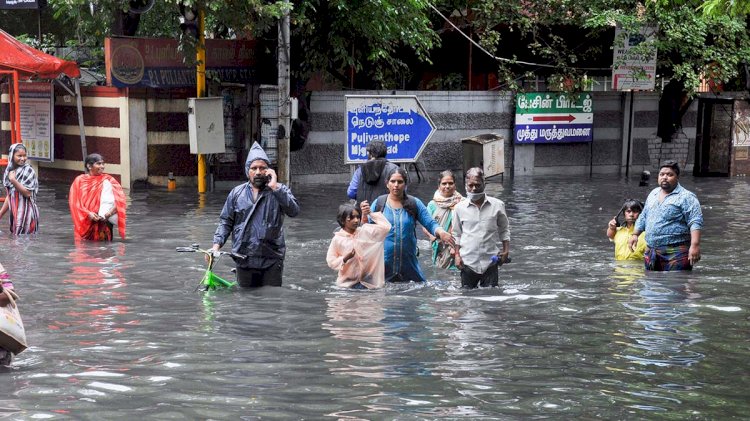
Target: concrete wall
pixel 168 146
pixel 457 115
pixel 462 114
pixel 103 120
pixel 143 136
pixel 105 126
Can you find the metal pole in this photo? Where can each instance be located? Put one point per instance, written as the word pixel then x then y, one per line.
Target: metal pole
pixel 16 109
pixel 630 135
pixel 284 103
pixel 79 105
pixel 470 70
pixel 201 88
pixel 39 24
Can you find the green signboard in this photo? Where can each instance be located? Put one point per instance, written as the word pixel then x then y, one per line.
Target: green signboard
pixel 551 117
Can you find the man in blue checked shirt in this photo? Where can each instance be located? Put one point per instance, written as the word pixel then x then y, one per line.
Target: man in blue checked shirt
pixel 673 220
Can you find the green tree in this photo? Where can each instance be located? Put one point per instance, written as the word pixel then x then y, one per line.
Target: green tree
pixel 689 43
pixel 333 36
pixel 379 40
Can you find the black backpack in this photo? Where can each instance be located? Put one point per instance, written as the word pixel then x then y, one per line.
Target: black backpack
pixel 410 205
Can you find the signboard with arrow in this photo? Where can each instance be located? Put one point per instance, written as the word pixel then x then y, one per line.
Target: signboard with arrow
pixel 399 121
pixel 549 117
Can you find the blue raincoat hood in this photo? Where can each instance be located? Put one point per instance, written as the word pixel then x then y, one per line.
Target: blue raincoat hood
pixel 256 153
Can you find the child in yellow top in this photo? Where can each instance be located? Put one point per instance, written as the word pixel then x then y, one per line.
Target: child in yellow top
pixel 620 234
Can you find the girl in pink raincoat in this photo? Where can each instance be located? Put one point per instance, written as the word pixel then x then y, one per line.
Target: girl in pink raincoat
pixel 356 252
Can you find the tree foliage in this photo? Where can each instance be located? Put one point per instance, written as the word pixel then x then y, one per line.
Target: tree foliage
pixel 380 40
pixel 374 36
pixel 689 41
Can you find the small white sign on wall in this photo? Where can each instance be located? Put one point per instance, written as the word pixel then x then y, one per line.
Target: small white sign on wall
pixel 634 64
pixel 37 120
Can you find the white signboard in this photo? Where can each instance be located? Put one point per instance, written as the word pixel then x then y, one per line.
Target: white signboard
pixel 634 64
pixel 37 116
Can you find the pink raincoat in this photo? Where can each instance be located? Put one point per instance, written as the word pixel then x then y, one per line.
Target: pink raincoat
pixel 367 266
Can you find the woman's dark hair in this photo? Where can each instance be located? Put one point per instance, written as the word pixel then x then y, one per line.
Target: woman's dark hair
pixel 446 173
pixel 633 205
pixel 345 211
pixel 18 148
pixel 402 172
pixel 673 165
pixel 91 159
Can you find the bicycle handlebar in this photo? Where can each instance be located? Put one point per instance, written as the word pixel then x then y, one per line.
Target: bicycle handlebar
pixel 194 249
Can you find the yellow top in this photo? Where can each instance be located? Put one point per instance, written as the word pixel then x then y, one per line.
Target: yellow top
pixel 622 251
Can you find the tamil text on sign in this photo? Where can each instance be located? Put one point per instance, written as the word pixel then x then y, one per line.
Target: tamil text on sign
pixel 398 120
pixel 546 117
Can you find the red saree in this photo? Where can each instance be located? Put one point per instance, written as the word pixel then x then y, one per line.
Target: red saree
pixel 85 195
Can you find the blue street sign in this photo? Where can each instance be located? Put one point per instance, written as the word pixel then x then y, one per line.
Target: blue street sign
pixel 398 120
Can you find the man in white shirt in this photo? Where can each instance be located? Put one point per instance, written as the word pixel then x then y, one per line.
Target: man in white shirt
pixel 480 226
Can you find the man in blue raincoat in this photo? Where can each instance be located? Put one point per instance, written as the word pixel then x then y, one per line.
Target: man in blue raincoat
pixel 254 215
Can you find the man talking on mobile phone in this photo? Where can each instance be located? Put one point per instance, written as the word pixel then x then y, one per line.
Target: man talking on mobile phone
pixel 254 215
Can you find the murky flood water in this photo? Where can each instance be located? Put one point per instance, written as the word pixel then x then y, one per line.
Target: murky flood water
pixel 116 331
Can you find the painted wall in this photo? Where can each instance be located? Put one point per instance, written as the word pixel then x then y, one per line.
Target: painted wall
pixel 143 136
pixel 458 115
pixel 105 129
pixel 167 147
pixel 105 134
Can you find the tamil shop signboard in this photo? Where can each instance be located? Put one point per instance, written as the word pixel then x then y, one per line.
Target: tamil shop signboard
pixel 157 63
pixel 399 121
pixel 550 117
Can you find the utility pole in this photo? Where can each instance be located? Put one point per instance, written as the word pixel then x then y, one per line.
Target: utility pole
pixel 285 123
pixel 200 56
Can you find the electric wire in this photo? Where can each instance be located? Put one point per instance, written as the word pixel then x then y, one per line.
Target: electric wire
pixel 503 59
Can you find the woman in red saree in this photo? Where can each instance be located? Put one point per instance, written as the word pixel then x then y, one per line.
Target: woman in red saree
pixel 97 202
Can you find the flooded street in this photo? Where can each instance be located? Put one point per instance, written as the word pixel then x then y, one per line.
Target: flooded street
pixel 116 330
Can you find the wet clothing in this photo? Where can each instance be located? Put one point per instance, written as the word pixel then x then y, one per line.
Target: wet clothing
pixel 366 268
pixel 23 212
pixel 369 180
pixel 670 222
pixel 401 264
pixel 6 283
pixel 256 225
pixel 471 279
pixel 86 196
pixel 441 209
pixel 668 258
pixel 254 278
pixel 480 231
pixel 622 250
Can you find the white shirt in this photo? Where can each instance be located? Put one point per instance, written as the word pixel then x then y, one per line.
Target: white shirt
pixel 479 231
pixel 107 202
